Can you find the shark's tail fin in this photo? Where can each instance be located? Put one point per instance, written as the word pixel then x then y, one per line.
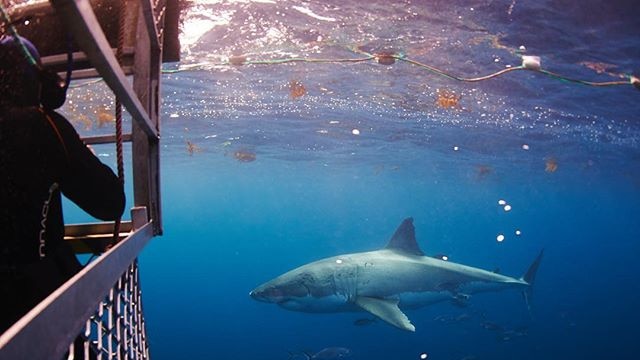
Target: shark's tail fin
pixel 529 277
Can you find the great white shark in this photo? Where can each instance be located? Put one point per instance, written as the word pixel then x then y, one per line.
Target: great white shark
pixel 383 282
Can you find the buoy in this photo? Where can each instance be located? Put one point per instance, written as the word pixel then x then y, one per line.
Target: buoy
pixel 385 58
pixel 237 60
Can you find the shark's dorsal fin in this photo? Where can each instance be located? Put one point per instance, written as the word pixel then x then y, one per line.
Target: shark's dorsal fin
pixel 386 310
pixel 404 239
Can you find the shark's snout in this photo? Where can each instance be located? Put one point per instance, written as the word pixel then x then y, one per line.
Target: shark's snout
pixel 257 296
pixel 267 294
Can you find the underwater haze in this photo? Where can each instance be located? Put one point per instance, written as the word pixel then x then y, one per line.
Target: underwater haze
pixel 268 165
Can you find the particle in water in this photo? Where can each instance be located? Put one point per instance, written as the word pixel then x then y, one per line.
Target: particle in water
pixel 518 232
pixel 502 202
pixel 355 132
pixel 445 258
pixel 455 148
pixel 339 261
pixel 507 208
pixel 423 356
pixel 525 147
pixel 551 165
pixel 500 238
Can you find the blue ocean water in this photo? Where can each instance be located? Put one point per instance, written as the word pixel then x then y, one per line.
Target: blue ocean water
pixel 366 145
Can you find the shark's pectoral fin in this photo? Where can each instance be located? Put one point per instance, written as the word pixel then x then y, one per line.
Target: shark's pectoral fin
pixel 386 310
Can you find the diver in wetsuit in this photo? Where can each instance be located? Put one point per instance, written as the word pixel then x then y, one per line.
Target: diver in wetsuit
pixel 41 156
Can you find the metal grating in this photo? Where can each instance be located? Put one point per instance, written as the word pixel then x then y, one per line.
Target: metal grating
pixel 117 329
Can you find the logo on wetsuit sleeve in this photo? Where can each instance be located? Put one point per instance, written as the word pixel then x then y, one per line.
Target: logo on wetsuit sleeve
pixel 43 222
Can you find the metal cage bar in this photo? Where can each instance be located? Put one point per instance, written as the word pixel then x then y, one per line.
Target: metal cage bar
pixel 57 320
pixel 96 46
pixel 107 291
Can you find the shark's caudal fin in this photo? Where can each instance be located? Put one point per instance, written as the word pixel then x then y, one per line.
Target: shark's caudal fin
pixel 404 239
pixel 529 277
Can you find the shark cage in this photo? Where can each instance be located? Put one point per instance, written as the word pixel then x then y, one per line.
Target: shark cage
pixel 98 312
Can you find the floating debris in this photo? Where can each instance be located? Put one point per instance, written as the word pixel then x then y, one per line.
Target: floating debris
pixel 447 99
pixel 599 67
pixel 500 238
pixel 502 202
pixel 386 57
pixel 244 156
pixel 193 148
pixel 551 165
pixel 484 171
pixel 355 132
pixel 525 147
pixel 518 232
pixel 104 116
pixel 507 208
pixel 296 89
pixel 237 60
pixel 83 120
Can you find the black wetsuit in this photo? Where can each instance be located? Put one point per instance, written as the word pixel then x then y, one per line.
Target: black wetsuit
pixel 40 156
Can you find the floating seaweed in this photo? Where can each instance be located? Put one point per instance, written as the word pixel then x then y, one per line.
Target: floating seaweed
pixel 551 165
pixel 483 171
pixel 296 89
pixel 447 99
pixel 83 120
pixel 193 148
pixel 244 156
pixel 104 116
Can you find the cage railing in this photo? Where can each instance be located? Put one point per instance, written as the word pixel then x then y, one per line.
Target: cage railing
pixel 97 314
pixel 109 284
